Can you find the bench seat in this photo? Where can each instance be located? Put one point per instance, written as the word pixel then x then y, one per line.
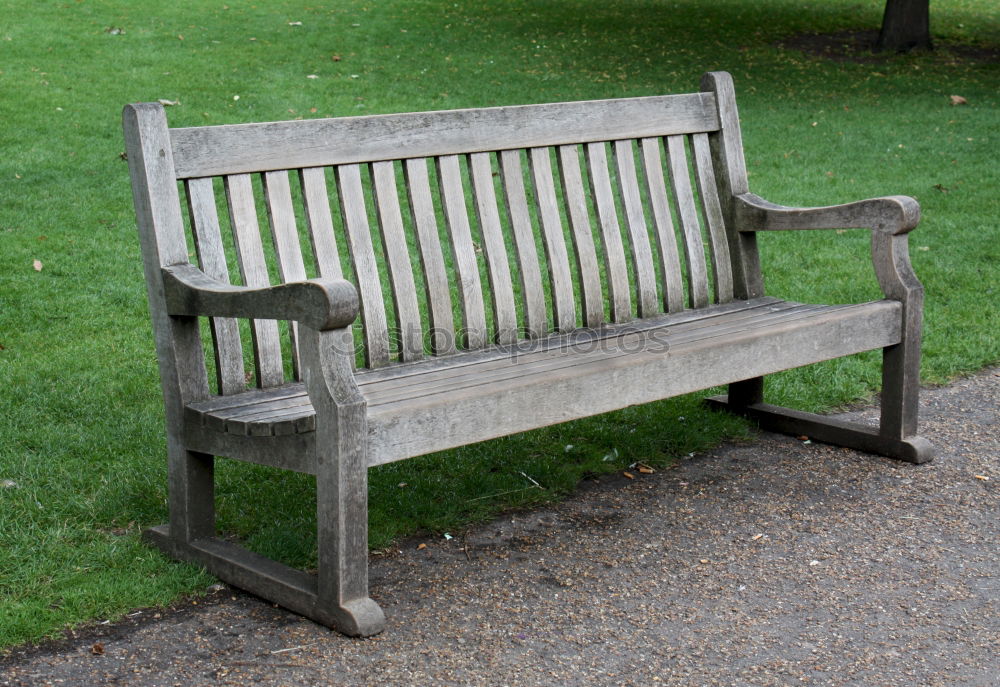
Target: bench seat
pixel 433 404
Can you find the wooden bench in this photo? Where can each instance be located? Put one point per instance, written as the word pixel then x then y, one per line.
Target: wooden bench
pixel 513 267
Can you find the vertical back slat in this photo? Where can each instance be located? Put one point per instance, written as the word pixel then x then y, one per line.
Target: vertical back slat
pixel 666 240
pixel 390 221
pixel 212 258
pixel 456 217
pixel 512 174
pixel 431 258
pixel 285 234
pixel 693 245
pixel 494 246
pixel 250 256
pixel 718 241
pixel 563 302
pixel 583 238
pixel 359 243
pixel 642 254
pixel 614 252
pixel 316 202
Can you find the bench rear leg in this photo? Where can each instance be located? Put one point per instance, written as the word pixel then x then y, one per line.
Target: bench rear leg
pixel 895 436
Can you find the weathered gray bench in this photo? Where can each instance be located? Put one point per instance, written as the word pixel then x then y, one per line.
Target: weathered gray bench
pixel 513 267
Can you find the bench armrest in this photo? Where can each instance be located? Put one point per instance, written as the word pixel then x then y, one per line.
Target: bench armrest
pixel 318 303
pixel 892 214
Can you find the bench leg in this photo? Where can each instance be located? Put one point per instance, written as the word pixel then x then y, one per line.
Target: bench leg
pixel 895 436
pixel 192 493
pixel 342 522
pixel 337 597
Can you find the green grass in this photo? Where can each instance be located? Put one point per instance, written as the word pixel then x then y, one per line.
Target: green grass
pixel 81 435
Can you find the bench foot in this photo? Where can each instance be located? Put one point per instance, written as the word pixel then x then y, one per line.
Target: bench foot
pixel 913 449
pixel 294 589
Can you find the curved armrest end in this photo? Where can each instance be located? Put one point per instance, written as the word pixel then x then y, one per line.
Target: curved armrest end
pixel 891 214
pixel 318 303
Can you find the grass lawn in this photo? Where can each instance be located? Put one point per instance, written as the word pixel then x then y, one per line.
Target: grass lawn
pixel 82 466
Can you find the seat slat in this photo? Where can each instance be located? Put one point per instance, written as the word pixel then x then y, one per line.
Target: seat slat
pixel 694 247
pixel 582 337
pixel 250 256
pixel 515 198
pixel 666 240
pixel 718 242
pixel 285 233
pixel 359 242
pixel 316 201
pixel 642 254
pixel 612 344
pixel 614 251
pixel 494 246
pixel 230 149
pixel 404 290
pixel 563 302
pixel 421 425
pixel 583 238
pixel 212 259
pixel 431 257
pixel 470 290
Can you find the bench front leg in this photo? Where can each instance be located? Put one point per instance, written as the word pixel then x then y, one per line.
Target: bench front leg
pixel 341 483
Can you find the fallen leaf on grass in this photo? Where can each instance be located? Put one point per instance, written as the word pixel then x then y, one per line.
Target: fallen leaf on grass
pixel 37 264
pixel 958 100
pixel 168 103
pixel 295 23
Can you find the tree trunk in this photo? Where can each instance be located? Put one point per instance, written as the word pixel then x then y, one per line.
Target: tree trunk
pixel 906 26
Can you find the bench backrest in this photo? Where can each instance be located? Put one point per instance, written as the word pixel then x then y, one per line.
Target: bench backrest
pixel 459 228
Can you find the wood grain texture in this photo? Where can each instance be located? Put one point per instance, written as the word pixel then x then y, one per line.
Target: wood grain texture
pixel 230 374
pixel 583 238
pixel 285 235
pixel 470 289
pixel 229 149
pixel 642 254
pixel 403 429
pixel 431 257
pixel 397 255
pixel 666 239
pixel 516 201
pixel 694 247
pixel 717 240
pixel 607 215
pixel 563 300
pixel 253 269
pixel 178 340
pixel 494 247
pixel 320 303
pixel 316 203
pixel 369 283
pixel 731 176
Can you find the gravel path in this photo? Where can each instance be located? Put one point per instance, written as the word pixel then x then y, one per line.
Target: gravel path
pixel 773 563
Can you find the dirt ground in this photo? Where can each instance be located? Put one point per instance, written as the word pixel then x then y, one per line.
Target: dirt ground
pixel 776 562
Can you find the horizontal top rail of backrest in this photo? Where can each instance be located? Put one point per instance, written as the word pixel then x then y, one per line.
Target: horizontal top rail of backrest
pixel 246 148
